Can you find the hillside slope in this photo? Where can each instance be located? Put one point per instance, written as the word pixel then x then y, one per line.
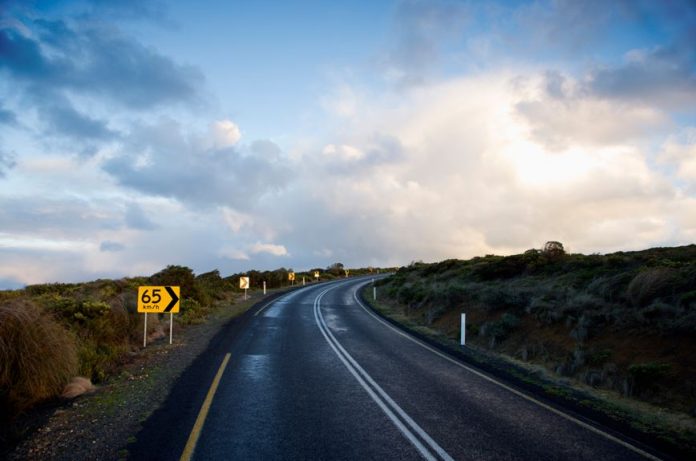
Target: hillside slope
pixel 624 321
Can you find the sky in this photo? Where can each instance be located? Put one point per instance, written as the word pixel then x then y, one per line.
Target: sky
pixel 256 135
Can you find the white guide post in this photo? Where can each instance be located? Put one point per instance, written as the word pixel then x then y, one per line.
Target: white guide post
pixel 145 331
pixel 463 335
pixel 264 288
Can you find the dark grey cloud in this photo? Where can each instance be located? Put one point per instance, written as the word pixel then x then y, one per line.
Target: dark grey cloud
pixel 65 120
pixel 137 219
pixel 160 160
pixel 665 76
pixel 108 246
pixel 96 61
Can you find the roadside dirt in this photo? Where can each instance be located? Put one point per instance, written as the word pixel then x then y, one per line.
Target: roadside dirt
pixel 98 426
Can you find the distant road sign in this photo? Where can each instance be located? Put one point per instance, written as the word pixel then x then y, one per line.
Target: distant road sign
pixel 316 274
pixel 244 283
pixel 291 276
pixel 160 299
pixel 347 272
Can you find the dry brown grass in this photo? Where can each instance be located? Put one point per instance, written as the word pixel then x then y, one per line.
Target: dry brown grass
pixel 38 357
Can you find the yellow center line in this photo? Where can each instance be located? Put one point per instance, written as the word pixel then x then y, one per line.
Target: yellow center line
pixel 200 420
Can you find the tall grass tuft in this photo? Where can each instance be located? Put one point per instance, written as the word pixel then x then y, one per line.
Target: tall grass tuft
pixel 37 357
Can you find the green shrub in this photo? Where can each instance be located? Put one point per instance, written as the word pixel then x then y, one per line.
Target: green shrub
pixel 191 312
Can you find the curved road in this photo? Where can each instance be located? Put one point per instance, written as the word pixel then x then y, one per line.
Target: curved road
pixel 316 375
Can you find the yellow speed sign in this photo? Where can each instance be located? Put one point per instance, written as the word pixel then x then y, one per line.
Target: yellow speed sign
pixel 159 299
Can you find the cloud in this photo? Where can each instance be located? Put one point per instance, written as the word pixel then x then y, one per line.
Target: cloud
pixel 663 76
pixel 99 62
pixel 270 248
pixel 561 113
pixel 6 163
pixel 236 220
pixel 63 119
pixel 136 218
pixel 111 246
pixel 225 134
pixel 7 117
pixel 421 28
pixel 162 160
pixel 679 151
pixel 478 172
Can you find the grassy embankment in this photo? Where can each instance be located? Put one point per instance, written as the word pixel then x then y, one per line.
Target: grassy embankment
pixel 621 327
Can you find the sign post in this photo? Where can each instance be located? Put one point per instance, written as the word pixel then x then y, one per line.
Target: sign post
pixel 244 285
pixel 159 300
pixel 316 275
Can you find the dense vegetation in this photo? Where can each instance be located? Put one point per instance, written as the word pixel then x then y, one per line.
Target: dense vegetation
pixel 624 321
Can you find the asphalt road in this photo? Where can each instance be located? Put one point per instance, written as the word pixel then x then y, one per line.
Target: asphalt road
pixel 316 375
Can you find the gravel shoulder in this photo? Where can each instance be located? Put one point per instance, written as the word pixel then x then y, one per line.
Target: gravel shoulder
pixel 99 425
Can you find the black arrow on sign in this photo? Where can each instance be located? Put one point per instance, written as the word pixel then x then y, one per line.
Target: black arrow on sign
pixel 172 303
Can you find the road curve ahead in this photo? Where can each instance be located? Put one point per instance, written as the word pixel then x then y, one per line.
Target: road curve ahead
pixel 315 375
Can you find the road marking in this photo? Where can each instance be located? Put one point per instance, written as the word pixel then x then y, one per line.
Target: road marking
pixel 504 386
pixel 203 413
pixel 362 376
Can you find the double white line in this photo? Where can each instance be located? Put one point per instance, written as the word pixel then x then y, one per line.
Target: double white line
pixel 408 427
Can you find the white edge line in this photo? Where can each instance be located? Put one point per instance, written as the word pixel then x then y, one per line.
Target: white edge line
pixel 404 430
pixel 505 386
pixel 424 435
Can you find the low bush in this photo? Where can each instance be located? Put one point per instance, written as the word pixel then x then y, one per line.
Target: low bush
pixel 37 357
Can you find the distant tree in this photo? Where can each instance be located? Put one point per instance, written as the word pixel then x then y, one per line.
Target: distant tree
pixel 553 249
pixel 335 269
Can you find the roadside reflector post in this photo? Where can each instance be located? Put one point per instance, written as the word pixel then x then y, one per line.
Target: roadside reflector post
pixel 145 332
pixel 302 281
pixel 374 291
pixel 463 335
pixel 264 288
